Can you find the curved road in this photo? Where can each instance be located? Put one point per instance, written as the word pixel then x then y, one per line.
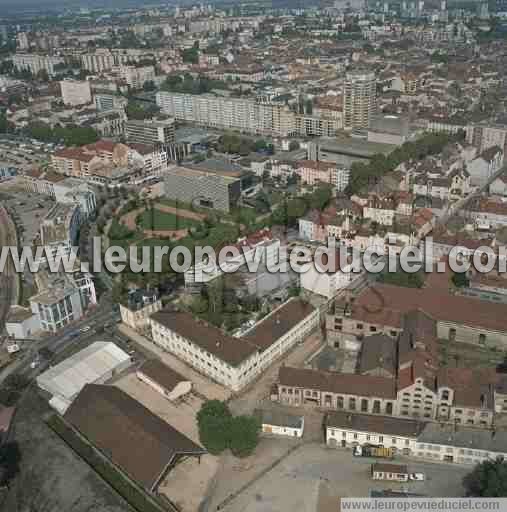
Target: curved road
pixel 8 289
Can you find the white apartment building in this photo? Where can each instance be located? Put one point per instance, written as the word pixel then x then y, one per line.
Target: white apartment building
pixel 57 304
pixel 141 304
pixel 234 362
pixel 35 63
pixel 416 439
pixel 359 100
pixel 60 227
pixel 380 210
pixel 109 102
pixel 244 115
pixel 101 60
pixel 76 92
pixel 137 77
pixel 484 136
pixel 485 165
pixel 328 283
pixel 150 132
pixel 462 446
pixel 347 430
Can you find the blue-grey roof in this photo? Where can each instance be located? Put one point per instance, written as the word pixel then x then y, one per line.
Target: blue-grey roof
pixel 463 437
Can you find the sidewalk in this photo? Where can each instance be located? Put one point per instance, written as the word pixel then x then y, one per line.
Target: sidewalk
pixel 202 385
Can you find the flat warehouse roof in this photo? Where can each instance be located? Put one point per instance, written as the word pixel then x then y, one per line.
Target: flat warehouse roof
pixel 86 366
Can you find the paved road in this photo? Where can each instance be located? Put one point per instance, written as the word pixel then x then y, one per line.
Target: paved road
pixel 7 276
pixel 60 341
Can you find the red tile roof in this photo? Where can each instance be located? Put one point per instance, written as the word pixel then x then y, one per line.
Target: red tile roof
pixel 386 304
pixel 345 383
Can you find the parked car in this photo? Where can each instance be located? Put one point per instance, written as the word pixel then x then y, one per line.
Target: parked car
pixel 420 477
pixel 84 329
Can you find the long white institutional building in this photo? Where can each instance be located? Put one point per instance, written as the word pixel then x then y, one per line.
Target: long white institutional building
pixel 245 115
pixel 234 362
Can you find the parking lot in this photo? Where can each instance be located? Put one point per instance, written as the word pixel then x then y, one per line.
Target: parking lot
pixel 28 209
pixel 24 152
pixel 312 470
pixel 181 416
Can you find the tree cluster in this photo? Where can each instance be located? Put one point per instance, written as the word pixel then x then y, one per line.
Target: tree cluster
pixel 5 126
pixel 190 85
pixel 401 278
pixel 232 143
pixel 140 112
pixel 219 305
pixel 191 55
pixel 11 389
pixel 364 174
pixel 290 210
pixel 488 479
pixel 10 457
pixel 219 430
pixel 70 135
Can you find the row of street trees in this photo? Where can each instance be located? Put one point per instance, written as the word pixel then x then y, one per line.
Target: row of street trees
pixel 364 174
pixel 70 135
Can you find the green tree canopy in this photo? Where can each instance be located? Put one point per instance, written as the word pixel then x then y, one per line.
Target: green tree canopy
pixel 488 479
pixel 244 435
pixel 214 420
pixel 320 197
pixel 219 430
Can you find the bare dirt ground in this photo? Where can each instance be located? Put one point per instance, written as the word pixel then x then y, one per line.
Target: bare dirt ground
pixel 129 219
pixel 180 415
pixel 187 483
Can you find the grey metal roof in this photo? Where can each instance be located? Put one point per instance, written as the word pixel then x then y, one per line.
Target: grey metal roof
pixel 463 437
pixel 279 419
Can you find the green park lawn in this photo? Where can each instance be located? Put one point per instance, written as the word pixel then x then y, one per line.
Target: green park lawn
pixel 164 221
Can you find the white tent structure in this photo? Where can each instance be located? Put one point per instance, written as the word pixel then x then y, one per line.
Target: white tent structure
pixel 95 364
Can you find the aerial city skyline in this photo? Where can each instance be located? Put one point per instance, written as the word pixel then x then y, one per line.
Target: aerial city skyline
pixel 253 256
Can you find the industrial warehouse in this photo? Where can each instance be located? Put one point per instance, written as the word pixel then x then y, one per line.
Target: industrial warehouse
pixel 95 364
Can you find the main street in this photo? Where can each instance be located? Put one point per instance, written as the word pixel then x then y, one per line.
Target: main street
pixel 95 320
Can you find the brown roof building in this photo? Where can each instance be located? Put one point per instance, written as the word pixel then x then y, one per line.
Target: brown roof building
pixel 131 436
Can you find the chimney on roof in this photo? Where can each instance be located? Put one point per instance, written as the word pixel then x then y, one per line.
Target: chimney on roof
pixel 349 418
pixel 217 344
pixel 277 321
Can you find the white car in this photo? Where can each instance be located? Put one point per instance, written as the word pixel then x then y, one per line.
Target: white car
pixel 417 476
pixel 34 364
pixel 85 329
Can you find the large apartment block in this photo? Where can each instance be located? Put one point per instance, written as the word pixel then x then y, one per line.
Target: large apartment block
pixel 359 100
pixel 244 115
pixel 150 132
pixel 36 63
pixel 234 362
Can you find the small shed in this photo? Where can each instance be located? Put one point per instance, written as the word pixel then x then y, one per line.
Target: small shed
pixel 393 472
pixel 279 423
pixel 164 380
